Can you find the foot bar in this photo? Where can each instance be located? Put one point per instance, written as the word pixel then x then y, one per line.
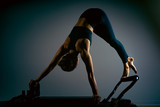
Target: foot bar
pixel 128 79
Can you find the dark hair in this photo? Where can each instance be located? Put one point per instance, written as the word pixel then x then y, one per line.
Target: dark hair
pixel 68 62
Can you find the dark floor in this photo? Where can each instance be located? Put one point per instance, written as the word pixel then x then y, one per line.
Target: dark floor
pixel 150 106
pixel 85 101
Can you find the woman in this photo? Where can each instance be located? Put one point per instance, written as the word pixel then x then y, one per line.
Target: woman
pixel 79 41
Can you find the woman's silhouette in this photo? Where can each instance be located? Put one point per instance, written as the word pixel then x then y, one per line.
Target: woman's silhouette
pixel 79 41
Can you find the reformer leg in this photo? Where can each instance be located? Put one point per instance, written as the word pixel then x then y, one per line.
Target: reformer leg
pixel 131 78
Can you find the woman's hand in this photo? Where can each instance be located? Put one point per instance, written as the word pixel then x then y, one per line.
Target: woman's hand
pixel 96 99
pixel 34 88
pixel 128 66
pixel 33 83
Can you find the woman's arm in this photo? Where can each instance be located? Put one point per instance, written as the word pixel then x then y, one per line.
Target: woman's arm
pixel 89 67
pixel 53 63
pixel 86 57
pixel 83 47
pixel 61 51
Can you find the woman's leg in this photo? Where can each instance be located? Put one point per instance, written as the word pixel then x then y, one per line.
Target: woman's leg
pixel 105 31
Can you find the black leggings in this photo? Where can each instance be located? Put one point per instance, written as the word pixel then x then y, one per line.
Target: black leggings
pixel 102 27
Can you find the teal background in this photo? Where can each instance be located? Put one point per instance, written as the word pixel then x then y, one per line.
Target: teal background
pixel 32 31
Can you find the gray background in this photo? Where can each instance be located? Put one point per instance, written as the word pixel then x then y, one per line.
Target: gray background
pixel 32 32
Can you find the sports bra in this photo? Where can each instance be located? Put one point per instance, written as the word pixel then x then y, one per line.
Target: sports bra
pixel 77 33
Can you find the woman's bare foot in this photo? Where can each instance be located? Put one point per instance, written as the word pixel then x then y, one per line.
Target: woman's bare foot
pixel 127 66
